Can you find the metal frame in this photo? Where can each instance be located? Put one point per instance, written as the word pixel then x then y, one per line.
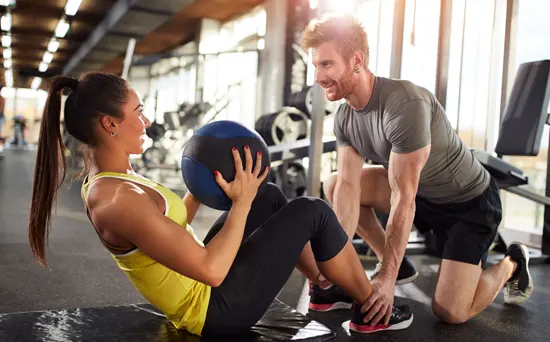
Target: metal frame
pixel 397 38
pixel 444 47
pixel 509 46
pixel 109 21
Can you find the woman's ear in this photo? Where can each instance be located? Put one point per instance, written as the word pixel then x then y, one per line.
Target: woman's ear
pixel 108 123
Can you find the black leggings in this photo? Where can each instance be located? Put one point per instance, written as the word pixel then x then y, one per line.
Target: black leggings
pixel 275 234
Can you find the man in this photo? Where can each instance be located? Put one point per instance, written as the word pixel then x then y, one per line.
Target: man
pixel 426 176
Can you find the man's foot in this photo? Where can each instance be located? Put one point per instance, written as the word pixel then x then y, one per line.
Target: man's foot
pixel 328 299
pixel 520 287
pixel 407 272
pixel 401 318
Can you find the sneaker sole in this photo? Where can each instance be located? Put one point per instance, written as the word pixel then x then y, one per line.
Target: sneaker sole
pixel 522 299
pixel 407 280
pixel 367 329
pixel 330 307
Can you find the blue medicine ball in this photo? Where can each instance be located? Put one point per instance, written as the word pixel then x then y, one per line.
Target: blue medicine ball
pixel 209 149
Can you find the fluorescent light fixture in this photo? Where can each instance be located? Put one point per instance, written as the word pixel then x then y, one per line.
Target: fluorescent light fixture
pixel 5 22
pixel 48 57
pixel 36 83
pixel 62 28
pixel 72 7
pixel 53 45
pixel 7 63
pixel 6 41
pixel 7 3
pixel 43 67
pixel 8 75
pixel 7 53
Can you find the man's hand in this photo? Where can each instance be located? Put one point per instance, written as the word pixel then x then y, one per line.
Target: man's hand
pixel 380 303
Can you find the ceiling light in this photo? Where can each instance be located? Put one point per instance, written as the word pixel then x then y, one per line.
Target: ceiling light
pixel 7 63
pixel 7 3
pixel 43 67
pixel 62 28
pixel 7 53
pixel 53 45
pixel 72 7
pixel 8 75
pixel 6 41
pixel 48 56
pixel 5 22
pixel 36 83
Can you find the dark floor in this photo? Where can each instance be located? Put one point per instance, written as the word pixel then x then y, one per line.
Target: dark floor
pixel 83 275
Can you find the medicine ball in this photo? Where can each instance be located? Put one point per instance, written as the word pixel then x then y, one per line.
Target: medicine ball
pixel 209 149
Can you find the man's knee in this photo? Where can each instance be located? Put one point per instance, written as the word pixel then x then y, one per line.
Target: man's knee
pixel 450 315
pixel 328 186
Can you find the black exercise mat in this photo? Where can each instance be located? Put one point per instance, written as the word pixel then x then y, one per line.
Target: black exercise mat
pixel 143 323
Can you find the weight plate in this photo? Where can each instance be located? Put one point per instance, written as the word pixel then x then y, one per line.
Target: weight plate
pixel 288 125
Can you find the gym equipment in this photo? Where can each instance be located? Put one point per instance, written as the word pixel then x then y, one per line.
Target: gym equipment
pixel 209 149
pixel 142 322
pixel 303 100
pixel 520 135
pixel 155 131
pixel 288 124
pixel 291 178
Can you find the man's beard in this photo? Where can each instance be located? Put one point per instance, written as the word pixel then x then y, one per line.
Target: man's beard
pixel 346 85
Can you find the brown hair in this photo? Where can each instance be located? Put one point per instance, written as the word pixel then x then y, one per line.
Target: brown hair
pixel 343 29
pixel 94 95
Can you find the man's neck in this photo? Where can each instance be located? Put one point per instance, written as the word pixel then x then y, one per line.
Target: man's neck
pixel 362 94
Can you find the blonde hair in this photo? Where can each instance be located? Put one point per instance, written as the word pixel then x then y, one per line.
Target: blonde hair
pixel 343 29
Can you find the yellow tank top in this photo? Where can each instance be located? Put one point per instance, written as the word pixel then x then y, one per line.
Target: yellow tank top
pixel 184 301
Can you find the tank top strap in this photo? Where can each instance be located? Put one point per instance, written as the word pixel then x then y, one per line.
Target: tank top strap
pixel 132 178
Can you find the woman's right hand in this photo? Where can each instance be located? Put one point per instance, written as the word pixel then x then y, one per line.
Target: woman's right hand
pixel 243 189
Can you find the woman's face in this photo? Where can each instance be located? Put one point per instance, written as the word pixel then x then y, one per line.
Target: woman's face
pixel 132 128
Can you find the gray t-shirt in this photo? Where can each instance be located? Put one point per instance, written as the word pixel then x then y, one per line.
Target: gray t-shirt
pixel 403 117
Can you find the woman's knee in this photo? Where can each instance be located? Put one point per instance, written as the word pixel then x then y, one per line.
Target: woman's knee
pixel 272 193
pixel 310 205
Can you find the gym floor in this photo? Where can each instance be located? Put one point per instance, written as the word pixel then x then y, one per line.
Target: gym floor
pixel 82 274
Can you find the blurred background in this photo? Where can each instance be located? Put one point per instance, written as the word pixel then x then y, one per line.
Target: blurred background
pixel 203 60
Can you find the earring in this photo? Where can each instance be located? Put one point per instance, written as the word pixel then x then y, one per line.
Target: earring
pixel 113 134
pixel 357 70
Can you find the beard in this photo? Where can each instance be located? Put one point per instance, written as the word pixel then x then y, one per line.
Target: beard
pixel 343 87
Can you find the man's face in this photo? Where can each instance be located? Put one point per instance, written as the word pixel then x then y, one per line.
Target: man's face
pixel 333 73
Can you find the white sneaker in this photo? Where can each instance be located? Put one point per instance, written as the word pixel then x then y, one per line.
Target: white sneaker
pixel 520 287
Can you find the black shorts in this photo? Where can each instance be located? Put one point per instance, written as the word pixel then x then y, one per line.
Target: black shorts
pixel 462 231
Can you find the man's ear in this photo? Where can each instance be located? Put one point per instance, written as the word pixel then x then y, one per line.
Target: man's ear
pixel 358 60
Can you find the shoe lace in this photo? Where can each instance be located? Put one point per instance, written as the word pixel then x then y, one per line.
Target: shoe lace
pixel 513 287
pixel 376 270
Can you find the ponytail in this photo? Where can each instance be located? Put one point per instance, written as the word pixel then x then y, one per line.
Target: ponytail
pixel 49 160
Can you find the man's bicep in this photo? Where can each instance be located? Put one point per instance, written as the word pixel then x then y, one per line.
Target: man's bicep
pixel 408 128
pixel 405 169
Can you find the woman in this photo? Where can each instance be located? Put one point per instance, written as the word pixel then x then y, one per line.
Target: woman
pixel 220 286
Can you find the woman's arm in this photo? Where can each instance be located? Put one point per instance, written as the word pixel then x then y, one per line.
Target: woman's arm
pixel 132 214
pixel 192 205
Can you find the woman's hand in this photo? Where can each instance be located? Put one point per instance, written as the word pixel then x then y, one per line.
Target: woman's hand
pixel 244 187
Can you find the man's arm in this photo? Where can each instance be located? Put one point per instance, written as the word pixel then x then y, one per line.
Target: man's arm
pixel 347 191
pixel 404 174
pixel 408 129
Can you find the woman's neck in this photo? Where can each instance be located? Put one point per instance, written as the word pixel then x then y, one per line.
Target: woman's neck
pixel 105 160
